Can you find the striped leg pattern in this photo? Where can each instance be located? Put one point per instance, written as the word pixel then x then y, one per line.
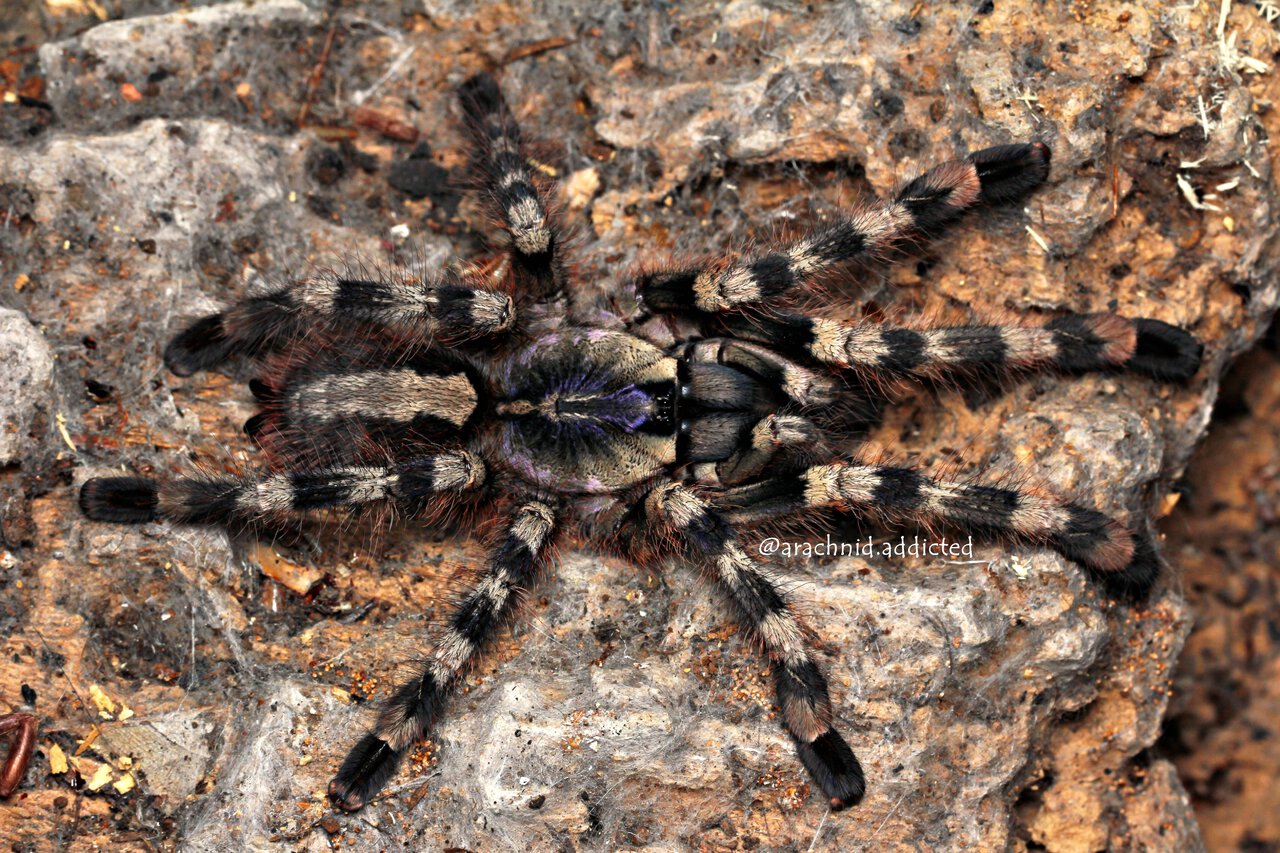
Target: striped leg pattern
pixel 535 241
pixel 415 707
pixel 260 323
pixel 1071 343
pixel 1123 560
pixel 231 500
pixel 765 610
pixel 921 209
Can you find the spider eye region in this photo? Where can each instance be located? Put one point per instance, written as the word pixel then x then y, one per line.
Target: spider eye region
pixel 588 411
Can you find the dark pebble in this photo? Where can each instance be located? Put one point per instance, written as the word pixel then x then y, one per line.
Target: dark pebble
pixel 419 176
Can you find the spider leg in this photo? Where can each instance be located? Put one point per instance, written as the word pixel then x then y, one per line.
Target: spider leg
pixel 226 500
pixel 709 380
pixel 731 449
pixel 320 407
pixel 922 208
pixel 1071 343
pixel 729 428
pixel 535 238
pixel 414 708
pixel 264 322
pixel 1124 561
pixel 766 612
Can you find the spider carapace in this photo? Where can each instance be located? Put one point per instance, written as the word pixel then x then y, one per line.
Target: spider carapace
pixel 705 418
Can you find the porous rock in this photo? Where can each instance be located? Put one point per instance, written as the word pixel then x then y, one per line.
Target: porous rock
pixel 24 383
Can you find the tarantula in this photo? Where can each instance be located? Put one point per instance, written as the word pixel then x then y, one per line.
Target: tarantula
pixel 703 418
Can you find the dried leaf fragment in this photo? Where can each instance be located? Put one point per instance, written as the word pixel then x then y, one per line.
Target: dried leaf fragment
pixel 581 187
pixel 106 708
pixel 125 783
pixel 88 741
pixel 292 577
pixel 101 778
pixel 57 760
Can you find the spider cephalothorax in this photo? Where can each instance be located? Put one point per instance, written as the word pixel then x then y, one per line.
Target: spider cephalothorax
pixel 712 413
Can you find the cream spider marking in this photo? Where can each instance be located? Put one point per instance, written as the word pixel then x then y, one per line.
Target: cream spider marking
pixel 465 393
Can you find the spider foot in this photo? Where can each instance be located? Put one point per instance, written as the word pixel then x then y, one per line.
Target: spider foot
pixel 481 97
pixel 1007 172
pixel 1122 560
pixel 1135 581
pixel 121 500
pixel 833 766
pixel 202 345
pixel 1165 352
pixel 254 427
pixel 366 769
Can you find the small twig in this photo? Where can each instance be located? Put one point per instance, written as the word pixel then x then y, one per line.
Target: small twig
pixel 1115 190
pixel 1039 240
pixel 360 97
pixel 316 74
pixel 890 814
pixel 387 125
pixel 533 48
pixel 192 684
pixel 818 832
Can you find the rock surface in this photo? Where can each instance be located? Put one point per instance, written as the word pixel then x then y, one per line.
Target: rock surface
pixel 153 164
pixel 1225 534
pixel 25 384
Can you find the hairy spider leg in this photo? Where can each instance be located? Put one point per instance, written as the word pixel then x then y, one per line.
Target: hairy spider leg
pixel 414 708
pixel 921 209
pixel 421 309
pixel 738 448
pixel 766 612
pixel 1069 343
pixel 535 239
pixel 799 384
pixel 329 405
pixel 228 500
pixel 1122 560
